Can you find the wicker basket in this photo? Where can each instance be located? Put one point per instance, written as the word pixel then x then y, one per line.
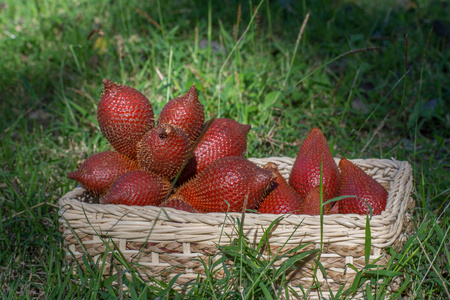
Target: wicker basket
pixel 169 242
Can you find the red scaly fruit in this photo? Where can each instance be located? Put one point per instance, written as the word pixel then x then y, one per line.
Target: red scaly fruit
pixel 355 182
pixel 163 150
pixel 305 174
pixel 185 112
pixel 124 116
pixel 225 137
pixel 335 208
pixel 282 199
pixel 138 188
pixel 98 173
pixel 179 204
pixel 233 180
pixel 311 205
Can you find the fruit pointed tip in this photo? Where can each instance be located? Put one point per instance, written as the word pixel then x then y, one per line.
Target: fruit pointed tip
pixel 175 197
pixel 316 130
pixel 343 161
pixel 104 200
pixel 192 93
pixel 72 175
pixel 108 86
pixel 316 136
pixel 107 82
pixel 246 128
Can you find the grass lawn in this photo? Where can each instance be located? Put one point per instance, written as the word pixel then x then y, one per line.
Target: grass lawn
pixel 373 77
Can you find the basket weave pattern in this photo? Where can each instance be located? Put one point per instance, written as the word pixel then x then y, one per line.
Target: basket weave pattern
pixel 166 242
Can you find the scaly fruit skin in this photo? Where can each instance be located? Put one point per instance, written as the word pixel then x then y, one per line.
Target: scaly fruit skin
pixel 185 112
pixel 163 150
pixel 124 116
pixel 138 188
pixel 227 180
pixel 179 204
pixel 98 173
pixel 311 205
pixel 305 174
pixel 225 137
pixel 335 208
pixel 282 199
pixel 355 182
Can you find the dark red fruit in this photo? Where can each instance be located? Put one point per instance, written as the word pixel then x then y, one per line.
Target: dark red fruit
pixel 225 137
pixel 311 204
pixel 163 150
pixel 124 116
pixel 282 199
pixel 98 173
pixel 179 204
pixel 335 208
pixel 355 182
pixel 226 185
pixel 137 188
pixel 305 174
pixel 185 112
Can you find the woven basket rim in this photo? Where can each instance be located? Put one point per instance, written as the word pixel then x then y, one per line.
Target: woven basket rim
pixel 385 227
pixel 76 191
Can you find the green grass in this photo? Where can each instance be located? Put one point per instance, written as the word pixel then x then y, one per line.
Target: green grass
pixel 56 53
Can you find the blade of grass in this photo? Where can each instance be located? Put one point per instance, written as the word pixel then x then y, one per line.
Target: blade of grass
pixel 231 53
pixel 368 241
pixel 294 55
pixel 169 75
pixel 335 59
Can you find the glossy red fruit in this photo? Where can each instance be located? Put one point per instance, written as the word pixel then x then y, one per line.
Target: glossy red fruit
pixel 98 173
pixel 179 204
pixel 305 174
pixel 233 180
pixel 124 116
pixel 137 188
pixel 282 199
pixel 355 182
pixel 163 150
pixel 225 137
pixel 185 112
pixel 311 204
